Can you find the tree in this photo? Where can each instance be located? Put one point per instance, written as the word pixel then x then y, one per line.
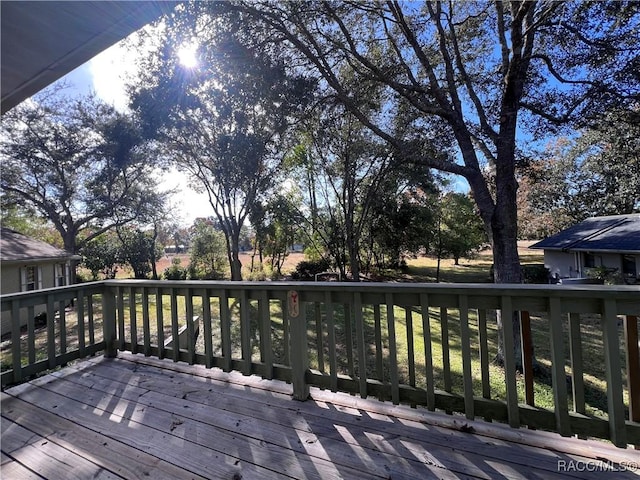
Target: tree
pixel 475 66
pixel 208 258
pixel 461 232
pixel 79 164
pixel 140 250
pixel 276 224
pixel 224 121
pixel 102 255
pixel 479 68
pixel 595 174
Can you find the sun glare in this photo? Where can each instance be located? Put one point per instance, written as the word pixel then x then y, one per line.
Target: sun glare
pixel 187 55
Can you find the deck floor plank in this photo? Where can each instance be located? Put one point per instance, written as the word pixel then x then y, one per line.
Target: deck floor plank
pixel 403 440
pixel 136 416
pixel 47 458
pixel 291 433
pixel 123 460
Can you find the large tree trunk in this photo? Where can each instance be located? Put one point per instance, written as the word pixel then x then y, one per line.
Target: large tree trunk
pixel 236 265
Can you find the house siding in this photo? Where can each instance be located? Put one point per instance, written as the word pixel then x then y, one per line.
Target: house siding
pixel 571 264
pixel 12 283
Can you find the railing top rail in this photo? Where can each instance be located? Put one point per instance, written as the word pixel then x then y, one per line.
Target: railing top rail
pixel 88 286
pixel 598 291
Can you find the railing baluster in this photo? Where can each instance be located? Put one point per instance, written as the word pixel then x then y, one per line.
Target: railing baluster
pixel 408 318
pixel 509 362
pixel 51 331
pixel 615 403
pixel 208 331
pixel 317 315
pixel 133 320
pixel 191 333
pixel 559 376
pixel 348 338
pixel 527 356
pixel 225 330
pixel 160 323
pixel 62 322
pixel 31 334
pixel 362 358
pixel 286 334
pixel 245 332
pixel 109 300
pixel 16 355
pixel 379 358
pixel 265 322
pixel 446 363
pixel 80 298
pixel 331 331
pixel 484 353
pixel 146 329
pixel 577 370
pixel 428 354
pixel 92 332
pixel 465 340
pixel 121 329
pixel 393 350
pixel 175 345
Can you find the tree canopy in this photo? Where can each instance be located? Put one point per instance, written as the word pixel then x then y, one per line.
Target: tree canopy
pixel 79 164
pixel 223 120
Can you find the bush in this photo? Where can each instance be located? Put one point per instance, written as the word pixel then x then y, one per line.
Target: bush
pixel 307 269
pixel 535 273
pixel 175 271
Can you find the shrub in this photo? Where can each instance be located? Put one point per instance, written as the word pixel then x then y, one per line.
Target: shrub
pixel 175 271
pixel 307 269
pixel 535 273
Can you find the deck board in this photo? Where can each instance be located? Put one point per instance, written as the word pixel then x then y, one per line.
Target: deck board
pixel 134 416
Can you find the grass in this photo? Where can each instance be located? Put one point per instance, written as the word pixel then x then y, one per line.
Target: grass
pixel 594 375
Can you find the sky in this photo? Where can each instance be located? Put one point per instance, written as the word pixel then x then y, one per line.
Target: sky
pixel 105 75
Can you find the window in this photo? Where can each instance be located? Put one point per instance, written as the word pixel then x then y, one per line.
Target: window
pixel 61 274
pixel 589 260
pixel 629 266
pixel 31 278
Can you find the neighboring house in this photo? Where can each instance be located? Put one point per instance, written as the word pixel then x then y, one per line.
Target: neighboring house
pixel 611 242
pixel 27 264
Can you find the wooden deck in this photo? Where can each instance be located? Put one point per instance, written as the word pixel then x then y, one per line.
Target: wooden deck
pixel 137 417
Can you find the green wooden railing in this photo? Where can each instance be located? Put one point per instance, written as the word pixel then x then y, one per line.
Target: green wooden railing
pixel 419 344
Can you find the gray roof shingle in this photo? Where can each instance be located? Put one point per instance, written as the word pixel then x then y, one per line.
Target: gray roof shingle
pixel 616 233
pixel 17 247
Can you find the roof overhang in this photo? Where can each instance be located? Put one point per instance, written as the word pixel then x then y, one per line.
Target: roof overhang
pixel 589 250
pixel 43 41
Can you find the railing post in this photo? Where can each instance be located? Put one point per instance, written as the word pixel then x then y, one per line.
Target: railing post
pixel 299 357
pixel 109 322
pixel 633 367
